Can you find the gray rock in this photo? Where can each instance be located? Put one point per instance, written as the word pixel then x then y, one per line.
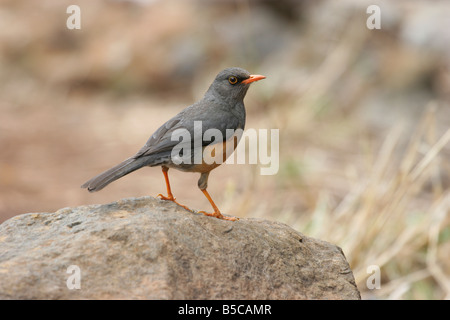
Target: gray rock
pixel 145 248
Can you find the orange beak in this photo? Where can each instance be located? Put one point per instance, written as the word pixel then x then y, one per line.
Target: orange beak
pixel 253 78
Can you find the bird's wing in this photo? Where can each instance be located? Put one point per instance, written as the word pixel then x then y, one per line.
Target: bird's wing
pixel 163 139
pixel 160 141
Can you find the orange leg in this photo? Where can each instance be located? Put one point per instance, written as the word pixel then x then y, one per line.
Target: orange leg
pixel 170 196
pixel 216 213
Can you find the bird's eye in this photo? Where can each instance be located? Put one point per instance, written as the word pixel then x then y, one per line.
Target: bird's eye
pixel 232 80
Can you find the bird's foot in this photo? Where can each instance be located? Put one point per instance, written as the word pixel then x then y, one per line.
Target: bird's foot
pixel 163 197
pixel 218 215
pixel 171 198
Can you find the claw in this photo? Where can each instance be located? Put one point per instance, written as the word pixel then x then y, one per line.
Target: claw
pixel 165 198
pixel 218 215
pixel 171 198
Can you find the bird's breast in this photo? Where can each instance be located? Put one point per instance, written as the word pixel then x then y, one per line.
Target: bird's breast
pixel 218 153
pixel 212 155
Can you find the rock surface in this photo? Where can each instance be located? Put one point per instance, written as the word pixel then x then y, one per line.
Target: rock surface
pixel 145 248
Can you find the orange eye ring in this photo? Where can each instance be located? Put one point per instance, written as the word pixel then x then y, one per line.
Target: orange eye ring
pixel 232 80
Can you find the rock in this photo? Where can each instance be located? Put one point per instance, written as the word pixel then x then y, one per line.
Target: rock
pixel 146 248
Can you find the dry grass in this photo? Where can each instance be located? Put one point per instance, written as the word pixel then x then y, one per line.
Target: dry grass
pixel 393 213
pixel 384 220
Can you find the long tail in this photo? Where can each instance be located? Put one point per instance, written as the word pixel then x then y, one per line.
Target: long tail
pixel 103 179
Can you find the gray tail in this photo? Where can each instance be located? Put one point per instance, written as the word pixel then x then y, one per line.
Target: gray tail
pixel 103 179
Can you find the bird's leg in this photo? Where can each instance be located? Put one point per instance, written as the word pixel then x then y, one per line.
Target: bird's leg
pixel 216 212
pixel 169 191
pixel 202 184
pixel 170 196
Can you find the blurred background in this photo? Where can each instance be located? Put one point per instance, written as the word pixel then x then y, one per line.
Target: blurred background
pixel 364 117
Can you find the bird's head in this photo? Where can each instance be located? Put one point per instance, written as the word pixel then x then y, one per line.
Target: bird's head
pixel 232 83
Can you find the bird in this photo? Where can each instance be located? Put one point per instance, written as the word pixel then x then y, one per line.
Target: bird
pixel 221 109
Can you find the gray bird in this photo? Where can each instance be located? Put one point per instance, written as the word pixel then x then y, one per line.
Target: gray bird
pixel 221 108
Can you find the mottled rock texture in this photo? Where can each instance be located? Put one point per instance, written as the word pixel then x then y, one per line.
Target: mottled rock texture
pixel 146 248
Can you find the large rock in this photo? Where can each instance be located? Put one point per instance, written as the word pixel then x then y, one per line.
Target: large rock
pixel 146 248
